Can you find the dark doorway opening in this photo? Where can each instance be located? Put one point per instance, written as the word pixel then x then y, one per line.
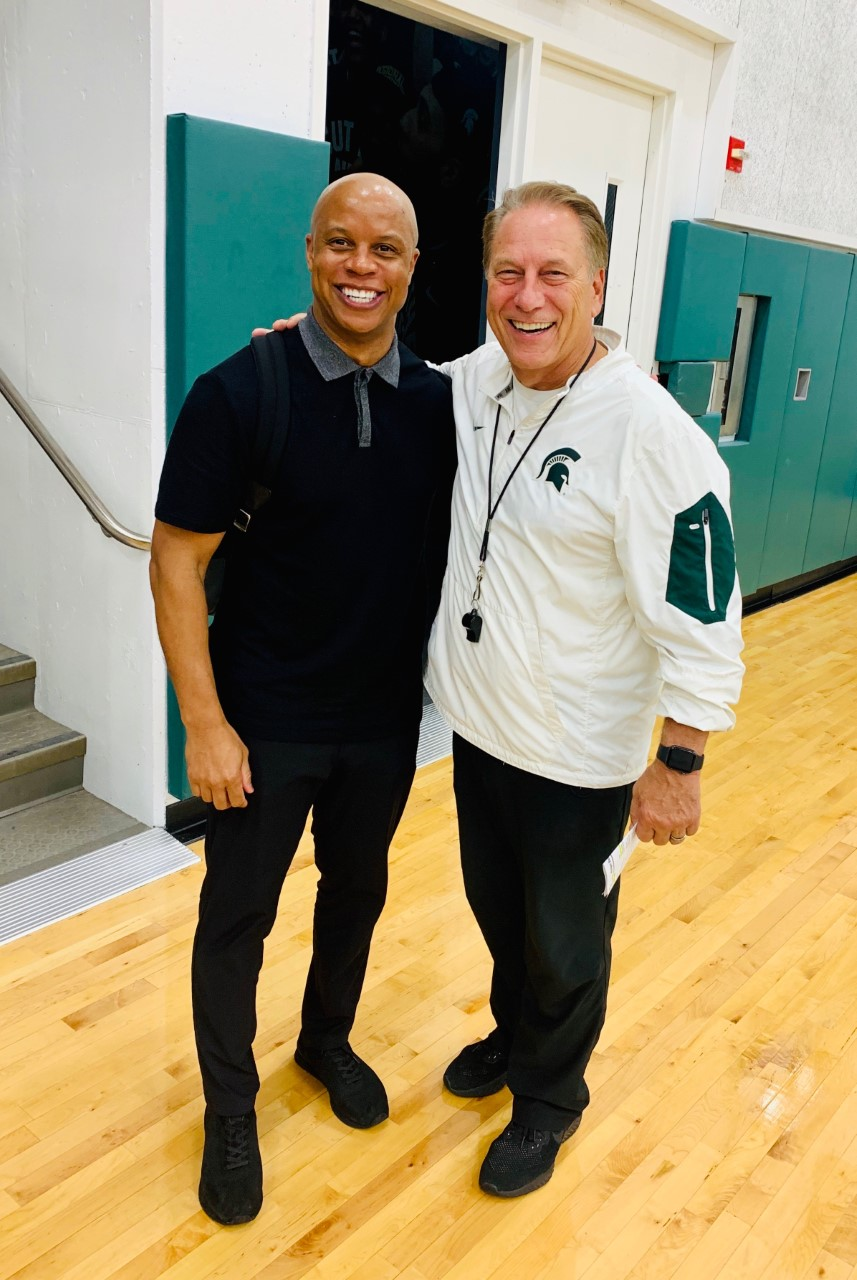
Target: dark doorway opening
pixel 422 106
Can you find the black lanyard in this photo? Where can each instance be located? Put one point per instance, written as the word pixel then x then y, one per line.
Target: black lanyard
pixel 471 621
pixel 492 510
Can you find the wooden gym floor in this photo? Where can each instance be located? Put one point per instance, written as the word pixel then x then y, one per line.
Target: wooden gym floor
pixel 722 1136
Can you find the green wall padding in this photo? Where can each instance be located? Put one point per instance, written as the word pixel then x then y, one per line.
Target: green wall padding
pixel 850 548
pixel 238 207
pixel 690 384
pixel 710 424
pixel 822 312
pixel 774 270
pixel 793 463
pixel 701 286
pixel 835 488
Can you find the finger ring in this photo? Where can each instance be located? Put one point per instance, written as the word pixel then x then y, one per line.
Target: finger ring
pixel 677 839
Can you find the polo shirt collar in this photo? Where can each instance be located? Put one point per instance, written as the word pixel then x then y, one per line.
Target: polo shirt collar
pixel 332 362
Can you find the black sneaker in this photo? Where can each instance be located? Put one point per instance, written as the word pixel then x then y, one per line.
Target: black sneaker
pixel 230 1188
pixel 521 1159
pixel 357 1096
pixel 480 1069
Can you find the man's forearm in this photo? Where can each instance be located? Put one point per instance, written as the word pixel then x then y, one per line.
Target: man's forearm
pixel 181 614
pixel 674 734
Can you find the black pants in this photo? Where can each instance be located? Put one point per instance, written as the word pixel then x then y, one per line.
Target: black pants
pixel 531 853
pixel 357 793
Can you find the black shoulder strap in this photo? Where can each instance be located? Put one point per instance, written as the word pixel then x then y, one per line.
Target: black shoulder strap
pixel 272 425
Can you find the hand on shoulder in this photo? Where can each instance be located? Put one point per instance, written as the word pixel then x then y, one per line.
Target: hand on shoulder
pixel 279 325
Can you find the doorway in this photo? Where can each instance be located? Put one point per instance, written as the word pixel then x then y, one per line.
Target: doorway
pixel 422 106
pixel 594 135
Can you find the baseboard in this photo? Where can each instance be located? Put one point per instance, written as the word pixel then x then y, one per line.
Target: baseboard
pixel 798 585
pixel 186 819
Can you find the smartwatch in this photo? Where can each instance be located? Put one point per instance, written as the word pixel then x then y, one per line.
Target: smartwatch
pixel 682 759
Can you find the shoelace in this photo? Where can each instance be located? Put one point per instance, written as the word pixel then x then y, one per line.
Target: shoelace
pixel 237 1130
pixel 531 1137
pixel 479 1054
pixel 345 1062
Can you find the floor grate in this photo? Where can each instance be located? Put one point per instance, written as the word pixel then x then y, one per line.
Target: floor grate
pixel 56 893
pixel 435 737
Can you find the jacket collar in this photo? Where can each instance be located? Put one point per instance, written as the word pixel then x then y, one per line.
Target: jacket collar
pixel 496 382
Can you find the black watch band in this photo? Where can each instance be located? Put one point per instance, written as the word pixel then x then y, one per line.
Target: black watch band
pixel 682 759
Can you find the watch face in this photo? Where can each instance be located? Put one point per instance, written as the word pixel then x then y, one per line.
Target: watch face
pixel 680 758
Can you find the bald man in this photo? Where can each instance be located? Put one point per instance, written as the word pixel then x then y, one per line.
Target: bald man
pixel 306 693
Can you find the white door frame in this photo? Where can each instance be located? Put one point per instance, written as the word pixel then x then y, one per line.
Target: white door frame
pixel 684 58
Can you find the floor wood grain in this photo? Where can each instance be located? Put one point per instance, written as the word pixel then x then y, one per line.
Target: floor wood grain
pixel 721 1143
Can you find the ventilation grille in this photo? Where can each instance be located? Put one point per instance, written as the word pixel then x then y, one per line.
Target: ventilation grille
pixel 435 737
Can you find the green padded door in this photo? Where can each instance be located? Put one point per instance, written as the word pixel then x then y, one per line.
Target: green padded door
pixel 774 271
pixel 822 312
pixel 834 489
pixel 701 287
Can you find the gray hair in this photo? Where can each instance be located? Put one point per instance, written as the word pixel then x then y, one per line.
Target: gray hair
pixel 550 193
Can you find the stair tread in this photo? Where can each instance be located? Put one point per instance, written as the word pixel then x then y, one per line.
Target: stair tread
pixel 26 730
pixel 15 666
pixel 55 830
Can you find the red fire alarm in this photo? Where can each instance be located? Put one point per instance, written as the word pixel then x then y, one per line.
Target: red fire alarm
pixel 735 155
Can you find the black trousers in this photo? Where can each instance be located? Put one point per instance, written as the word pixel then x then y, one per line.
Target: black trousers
pixel 531 853
pixel 357 793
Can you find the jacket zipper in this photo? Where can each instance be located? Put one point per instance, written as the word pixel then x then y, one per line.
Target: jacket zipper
pixel 709 573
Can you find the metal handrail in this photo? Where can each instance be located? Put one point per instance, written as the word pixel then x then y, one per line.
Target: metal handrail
pixel 110 526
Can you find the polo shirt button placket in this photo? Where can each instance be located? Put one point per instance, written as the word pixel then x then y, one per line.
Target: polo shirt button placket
pixel 361 395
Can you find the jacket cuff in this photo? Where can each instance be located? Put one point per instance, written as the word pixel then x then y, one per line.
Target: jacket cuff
pixel 685 708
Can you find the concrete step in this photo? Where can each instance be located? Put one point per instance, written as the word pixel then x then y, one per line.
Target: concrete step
pixel 17 680
pixel 46 818
pixel 44 835
pixel 38 758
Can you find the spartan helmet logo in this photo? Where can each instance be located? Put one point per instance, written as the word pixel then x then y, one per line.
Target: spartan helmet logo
pixel 556 465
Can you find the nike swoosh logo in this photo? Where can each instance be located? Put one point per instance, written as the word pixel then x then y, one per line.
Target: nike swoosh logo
pixel 480 427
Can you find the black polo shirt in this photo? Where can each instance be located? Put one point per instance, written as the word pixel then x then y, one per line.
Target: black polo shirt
pixel 318 634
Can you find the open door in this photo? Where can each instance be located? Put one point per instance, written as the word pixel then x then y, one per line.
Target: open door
pixel 422 106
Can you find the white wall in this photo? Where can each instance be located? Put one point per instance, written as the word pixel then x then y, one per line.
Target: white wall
pixel 75 336
pixel 795 104
pixel 254 64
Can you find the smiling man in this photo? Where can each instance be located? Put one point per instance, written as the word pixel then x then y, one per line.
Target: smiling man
pixel 306 693
pixel 591 586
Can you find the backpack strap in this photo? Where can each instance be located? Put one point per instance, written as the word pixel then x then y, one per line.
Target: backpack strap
pixel 272 425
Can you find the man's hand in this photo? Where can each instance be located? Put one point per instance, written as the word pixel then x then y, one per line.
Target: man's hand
pixel 666 803
pixel 280 325
pixel 218 767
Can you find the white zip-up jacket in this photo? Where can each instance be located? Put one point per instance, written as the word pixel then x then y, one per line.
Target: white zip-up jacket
pixel 610 594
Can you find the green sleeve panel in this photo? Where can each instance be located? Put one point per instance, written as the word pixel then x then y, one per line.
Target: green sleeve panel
pixel 702 561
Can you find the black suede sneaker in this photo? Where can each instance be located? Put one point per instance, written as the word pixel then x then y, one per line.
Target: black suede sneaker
pixel 230 1187
pixel 480 1069
pixel 521 1159
pixel 357 1096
